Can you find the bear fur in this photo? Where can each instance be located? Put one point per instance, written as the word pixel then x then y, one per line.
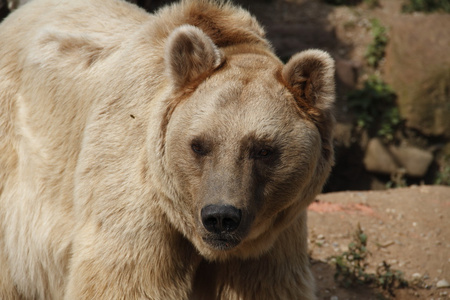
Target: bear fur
pixel 165 156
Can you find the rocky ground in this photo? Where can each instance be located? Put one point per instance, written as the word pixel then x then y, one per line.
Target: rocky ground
pixel 408 228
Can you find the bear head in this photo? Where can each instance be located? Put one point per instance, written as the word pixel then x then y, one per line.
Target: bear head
pixel 245 141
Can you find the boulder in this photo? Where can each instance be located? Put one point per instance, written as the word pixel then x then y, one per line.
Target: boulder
pixel 414 160
pixel 391 159
pixel 347 72
pixel 378 159
pixel 418 68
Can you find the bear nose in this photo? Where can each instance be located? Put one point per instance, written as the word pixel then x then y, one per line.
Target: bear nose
pixel 221 218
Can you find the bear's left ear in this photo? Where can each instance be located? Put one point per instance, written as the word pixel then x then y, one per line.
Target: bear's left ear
pixel 189 55
pixel 310 76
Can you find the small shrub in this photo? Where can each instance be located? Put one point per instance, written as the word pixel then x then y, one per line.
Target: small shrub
pixel 376 50
pixel 375 109
pixel 390 119
pixel 351 267
pixel 426 6
pixel 389 279
pixel 398 179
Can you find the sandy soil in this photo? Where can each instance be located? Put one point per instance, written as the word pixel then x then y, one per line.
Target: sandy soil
pixel 408 228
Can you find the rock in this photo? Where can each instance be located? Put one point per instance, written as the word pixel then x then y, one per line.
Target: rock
pixel 343 135
pixel 388 160
pixel 414 160
pixel 442 284
pixel 378 159
pixel 419 73
pixel 347 72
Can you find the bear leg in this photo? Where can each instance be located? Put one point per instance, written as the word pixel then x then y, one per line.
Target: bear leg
pixel 151 265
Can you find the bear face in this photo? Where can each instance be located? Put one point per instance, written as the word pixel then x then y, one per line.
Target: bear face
pixel 239 147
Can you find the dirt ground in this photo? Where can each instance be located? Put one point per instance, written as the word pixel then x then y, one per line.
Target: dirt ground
pixel 408 228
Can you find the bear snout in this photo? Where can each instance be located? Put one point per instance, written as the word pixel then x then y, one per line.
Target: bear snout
pixel 223 224
pixel 219 219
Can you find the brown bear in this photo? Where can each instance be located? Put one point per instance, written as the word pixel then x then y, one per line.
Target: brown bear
pixel 165 156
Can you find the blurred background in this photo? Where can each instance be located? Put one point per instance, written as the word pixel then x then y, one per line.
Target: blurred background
pixel 393 81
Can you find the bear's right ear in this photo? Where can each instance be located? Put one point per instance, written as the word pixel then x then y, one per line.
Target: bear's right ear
pixel 189 55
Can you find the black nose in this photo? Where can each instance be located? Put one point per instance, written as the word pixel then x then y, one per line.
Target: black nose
pixel 221 218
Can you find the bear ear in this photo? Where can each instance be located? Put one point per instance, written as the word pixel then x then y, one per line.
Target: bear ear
pixel 189 55
pixel 310 76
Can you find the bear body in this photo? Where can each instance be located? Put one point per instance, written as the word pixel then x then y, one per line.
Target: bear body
pixel 165 156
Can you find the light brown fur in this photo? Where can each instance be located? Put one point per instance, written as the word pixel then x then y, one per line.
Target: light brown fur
pixel 102 107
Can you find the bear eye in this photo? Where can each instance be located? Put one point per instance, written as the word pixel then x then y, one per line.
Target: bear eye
pixel 264 153
pixel 198 149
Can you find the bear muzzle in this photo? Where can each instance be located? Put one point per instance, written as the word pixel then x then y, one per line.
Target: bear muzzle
pixel 222 223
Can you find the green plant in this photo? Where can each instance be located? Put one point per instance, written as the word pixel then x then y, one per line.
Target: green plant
pixel 376 50
pixel 443 175
pixel 389 279
pixel 351 267
pixel 375 109
pixel 426 6
pixel 398 179
pixel 390 119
